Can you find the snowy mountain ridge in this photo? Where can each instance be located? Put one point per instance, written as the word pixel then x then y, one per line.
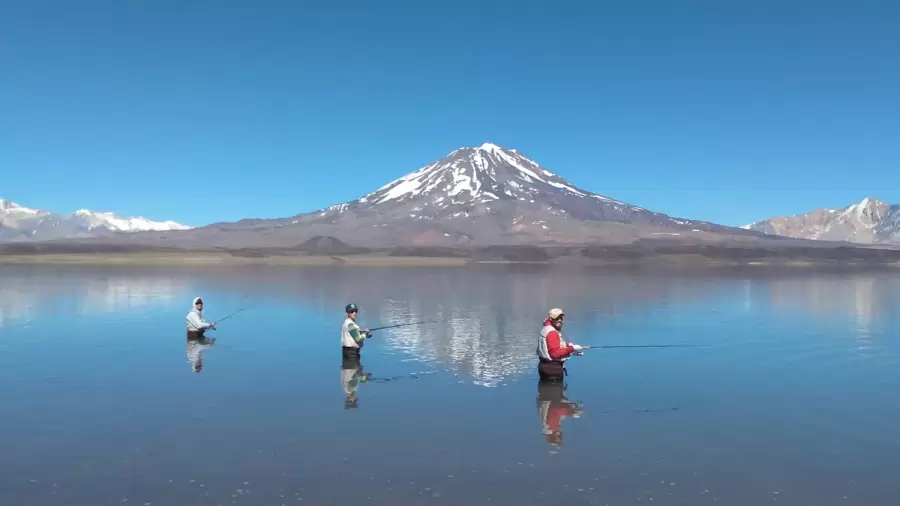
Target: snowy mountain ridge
pixel 20 223
pixel 112 221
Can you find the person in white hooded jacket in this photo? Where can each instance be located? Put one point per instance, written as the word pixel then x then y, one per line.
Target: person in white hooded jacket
pixel 196 325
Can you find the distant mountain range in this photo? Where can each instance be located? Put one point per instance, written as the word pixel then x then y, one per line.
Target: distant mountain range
pixel 19 223
pixel 869 221
pixel 484 203
pixel 471 197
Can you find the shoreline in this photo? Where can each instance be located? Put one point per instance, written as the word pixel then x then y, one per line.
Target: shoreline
pixel 214 259
pixel 227 260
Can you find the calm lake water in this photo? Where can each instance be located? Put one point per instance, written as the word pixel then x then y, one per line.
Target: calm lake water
pixel 793 398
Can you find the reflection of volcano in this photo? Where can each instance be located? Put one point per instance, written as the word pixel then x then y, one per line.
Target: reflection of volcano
pixel 490 321
pixel 491 315
pixel 484 345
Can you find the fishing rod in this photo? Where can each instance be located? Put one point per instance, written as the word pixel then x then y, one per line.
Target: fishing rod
pixel 402 325
pixel 232 314
pixel 644 346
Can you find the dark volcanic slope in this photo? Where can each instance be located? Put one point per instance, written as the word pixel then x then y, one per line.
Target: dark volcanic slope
pixel 471 197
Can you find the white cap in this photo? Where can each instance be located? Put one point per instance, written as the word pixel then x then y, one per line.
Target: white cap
pixel 556 313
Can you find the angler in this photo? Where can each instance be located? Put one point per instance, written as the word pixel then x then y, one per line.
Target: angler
pixel 352 337
pixel 196 325
pixel 552 351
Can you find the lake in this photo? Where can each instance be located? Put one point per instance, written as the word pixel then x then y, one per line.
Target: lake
pixel 791 395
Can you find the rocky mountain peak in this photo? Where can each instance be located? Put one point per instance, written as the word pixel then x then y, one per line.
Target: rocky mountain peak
pixel 868 221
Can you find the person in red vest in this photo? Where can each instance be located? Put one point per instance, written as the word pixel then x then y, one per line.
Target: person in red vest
pixel 552 350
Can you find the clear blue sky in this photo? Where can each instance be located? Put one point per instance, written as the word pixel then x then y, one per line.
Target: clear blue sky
pixel 202 111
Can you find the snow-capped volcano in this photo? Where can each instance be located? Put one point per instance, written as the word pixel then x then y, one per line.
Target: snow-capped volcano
pixel 476 176
pixel 869 221
pixel 490 180
pixel 19 223
pixel 476 196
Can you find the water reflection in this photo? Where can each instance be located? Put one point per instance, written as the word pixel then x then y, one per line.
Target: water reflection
pixel 490 317
pixel 489 330
pixel 17 306
pixel 194 350
pixel 553 407
pixel 28 292
pixel 114 293
pixel 773 412
pixel 352 375
pixel 862 297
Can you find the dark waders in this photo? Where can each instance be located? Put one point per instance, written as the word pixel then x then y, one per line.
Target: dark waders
pixel 195 335
pixel 349 352
pixel 551 370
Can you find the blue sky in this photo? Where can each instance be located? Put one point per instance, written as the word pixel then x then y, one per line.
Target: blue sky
pixel 211 111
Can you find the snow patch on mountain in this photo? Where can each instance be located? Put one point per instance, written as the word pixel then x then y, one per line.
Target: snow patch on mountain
pixel 110 221
pixel 13 208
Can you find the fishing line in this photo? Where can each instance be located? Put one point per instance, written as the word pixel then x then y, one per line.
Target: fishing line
pixel 646 346
pixel 660 410
pixel 403 325
pixel 412 375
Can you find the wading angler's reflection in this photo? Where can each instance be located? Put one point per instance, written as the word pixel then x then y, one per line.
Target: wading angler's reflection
pixel 553 407
pixel 196 345
pixel 351 376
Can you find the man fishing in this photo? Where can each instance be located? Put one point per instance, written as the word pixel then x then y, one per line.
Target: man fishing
pixel 196 325
pixel 352 337
pixel 552 351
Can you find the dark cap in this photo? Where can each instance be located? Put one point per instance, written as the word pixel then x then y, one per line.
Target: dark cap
pixel 351 308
